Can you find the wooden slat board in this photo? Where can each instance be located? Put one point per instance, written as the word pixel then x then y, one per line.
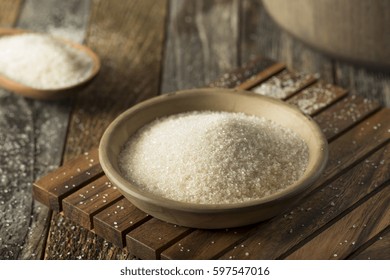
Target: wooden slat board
pixel 378 249
pixel 356 176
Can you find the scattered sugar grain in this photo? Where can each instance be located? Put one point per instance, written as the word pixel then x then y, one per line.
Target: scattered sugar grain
pixel 42 62
pixel 210 157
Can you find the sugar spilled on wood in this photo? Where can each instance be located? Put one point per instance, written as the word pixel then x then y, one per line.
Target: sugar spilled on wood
pixel 284 84
pixel 214 157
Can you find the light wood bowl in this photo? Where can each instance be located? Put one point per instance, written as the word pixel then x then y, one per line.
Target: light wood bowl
pixel 56 93
pixel 212 216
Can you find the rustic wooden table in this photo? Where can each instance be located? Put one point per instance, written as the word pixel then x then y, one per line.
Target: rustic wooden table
pixel 151 47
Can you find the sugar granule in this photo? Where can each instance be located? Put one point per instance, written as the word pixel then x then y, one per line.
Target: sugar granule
pixel 208 157
pixel 42 62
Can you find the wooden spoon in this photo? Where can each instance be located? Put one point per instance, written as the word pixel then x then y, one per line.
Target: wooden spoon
pixel 56 93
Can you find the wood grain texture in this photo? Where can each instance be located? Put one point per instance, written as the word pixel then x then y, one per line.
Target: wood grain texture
pixel 345 114
pixel 206 244
pixel 35 136
pixel 148 244
pixel 75 242
pixel 365 82
pixel 262 76
pixel 350 232
pixel 129 40
pixel 118 34
pixel 93 198
pixel 52 188
pixel 285 84
pixel 196 52
pixel 246 71
pixel 9 12
pixel 117 220
pixel 379 250
pixel 316 211
pixel 317 97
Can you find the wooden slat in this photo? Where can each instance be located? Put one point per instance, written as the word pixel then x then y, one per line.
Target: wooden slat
pixel 237 76
pixel 351 231
pixel 344 114
pixel 317 97
pixel 285 84
pixel 114 222
pixel 379 250
pixel 356 143
pixel 203 244
pixel 261 76
pixel 364 82
pixel 51 189
pixel 129 38
pixel 93 198
pixel 316 211
pixel 148 240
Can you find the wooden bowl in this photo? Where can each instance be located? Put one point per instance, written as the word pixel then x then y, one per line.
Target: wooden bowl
pixel 56 93
pixel 212 216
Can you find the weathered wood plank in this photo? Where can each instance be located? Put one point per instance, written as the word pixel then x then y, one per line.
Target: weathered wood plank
pixel 344 114
pixel 35 133
pixel 9 12
pixel 52 188
pixel 237 76
pixel 361 81
pixel 356 143
pixel 262 76
pixel 196 52
pixel 379 250
pixel 351 231
pixel 118 34
pixel 317 97
pixel 151 238
pixel 76 242
pixel 285 84
pixel 316 211
pixel 117 220
pixel 129 40
pixel 341 155
pixel 203 244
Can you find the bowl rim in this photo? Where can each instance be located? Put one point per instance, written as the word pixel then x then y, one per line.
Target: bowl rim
pixel 133 191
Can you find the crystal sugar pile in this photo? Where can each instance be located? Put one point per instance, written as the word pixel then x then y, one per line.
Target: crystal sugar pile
pixel 208 157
